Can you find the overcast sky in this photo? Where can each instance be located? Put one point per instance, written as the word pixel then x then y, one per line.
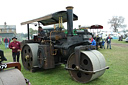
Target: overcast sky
pixel 89 12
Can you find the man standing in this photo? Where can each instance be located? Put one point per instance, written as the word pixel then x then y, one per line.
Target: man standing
pixel 0 40
pixel 9 40
pixel 15 46
pixel 108 39
pixel 6 41
pixel 103 42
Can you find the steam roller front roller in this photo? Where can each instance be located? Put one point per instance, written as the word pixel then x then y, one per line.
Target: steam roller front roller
pixel 29 56
pixel 92 65
pixel 11 77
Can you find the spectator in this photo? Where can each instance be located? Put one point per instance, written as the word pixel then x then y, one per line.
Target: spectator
pixel 9 40
pixel 93 42
pixel 15 46
pixel 103 42
pixel 6 41
pixel 0 40
pixel 119 37
pixel 108 39
pixel 97 39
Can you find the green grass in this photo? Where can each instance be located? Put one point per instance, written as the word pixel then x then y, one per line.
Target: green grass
pixel 116 58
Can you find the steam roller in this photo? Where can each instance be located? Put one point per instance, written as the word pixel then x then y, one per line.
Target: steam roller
pixel 92 65
pixel 71 47
pixel 29 56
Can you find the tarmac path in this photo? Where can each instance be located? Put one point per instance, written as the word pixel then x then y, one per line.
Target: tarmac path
pixel 120 44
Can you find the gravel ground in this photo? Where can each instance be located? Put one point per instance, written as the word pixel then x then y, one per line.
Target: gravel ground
pixel 122 45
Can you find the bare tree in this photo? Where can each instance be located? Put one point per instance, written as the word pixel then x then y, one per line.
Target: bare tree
pixel 117 22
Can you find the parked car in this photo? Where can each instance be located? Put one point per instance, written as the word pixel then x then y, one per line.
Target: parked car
pixel 126 39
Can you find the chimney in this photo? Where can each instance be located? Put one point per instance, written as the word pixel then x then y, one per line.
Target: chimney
pixel 70 20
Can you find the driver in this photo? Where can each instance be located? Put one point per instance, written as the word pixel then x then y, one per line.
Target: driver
pixel 41 31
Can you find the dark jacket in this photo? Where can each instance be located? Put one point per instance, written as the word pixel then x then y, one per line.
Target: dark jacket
pixel 41 33
pixel 108 39
pixel 6 40
pixel 103 42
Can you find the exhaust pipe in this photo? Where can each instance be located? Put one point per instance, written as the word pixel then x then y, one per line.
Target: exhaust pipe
pixel 70 20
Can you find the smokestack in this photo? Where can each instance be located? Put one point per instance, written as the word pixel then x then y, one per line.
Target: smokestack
pixel 70 20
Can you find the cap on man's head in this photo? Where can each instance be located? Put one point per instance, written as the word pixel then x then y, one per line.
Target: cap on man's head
pixel 14 38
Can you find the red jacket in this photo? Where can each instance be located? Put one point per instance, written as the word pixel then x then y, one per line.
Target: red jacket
pixel 16 45
pixel 7 41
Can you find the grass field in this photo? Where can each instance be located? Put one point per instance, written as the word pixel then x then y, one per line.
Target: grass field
pixel 116 58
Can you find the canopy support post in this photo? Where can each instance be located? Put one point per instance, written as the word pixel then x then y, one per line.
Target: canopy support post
pixel 28 30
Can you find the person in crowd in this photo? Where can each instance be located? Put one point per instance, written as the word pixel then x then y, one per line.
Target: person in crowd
pixel 108 39
pixel 93 42
pixel 0 40
pixel 6 41
pixel 9 40
pixel 15 46
pixel 103 43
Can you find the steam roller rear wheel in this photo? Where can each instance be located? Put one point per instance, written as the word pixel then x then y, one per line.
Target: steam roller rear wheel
pixel 89 61
pixel 29 56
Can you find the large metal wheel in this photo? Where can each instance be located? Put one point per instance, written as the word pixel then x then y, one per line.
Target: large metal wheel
pixel 29 56
pixel 89 61
pixel 12 77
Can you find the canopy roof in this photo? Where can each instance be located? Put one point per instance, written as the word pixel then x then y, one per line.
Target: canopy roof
pixel 96 27
pixel 51 18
